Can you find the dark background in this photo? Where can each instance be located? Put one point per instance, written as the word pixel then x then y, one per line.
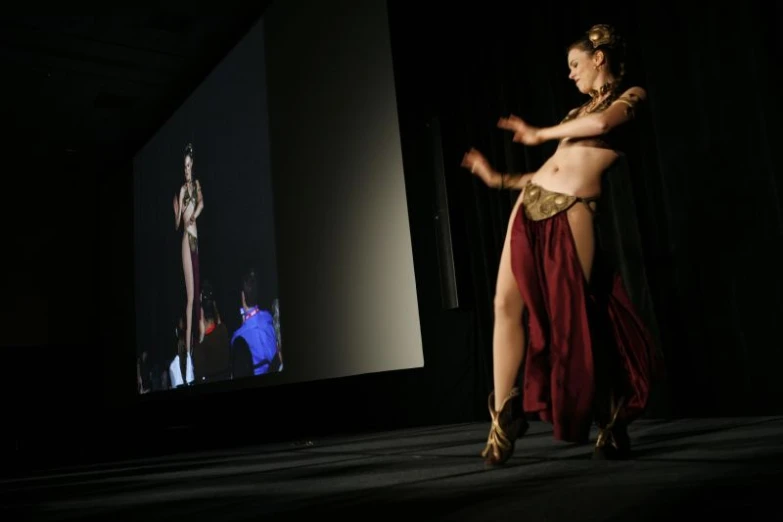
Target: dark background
pixel 83 93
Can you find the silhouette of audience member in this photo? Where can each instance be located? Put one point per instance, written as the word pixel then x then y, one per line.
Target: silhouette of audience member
pixel 254 344
pixel 212 356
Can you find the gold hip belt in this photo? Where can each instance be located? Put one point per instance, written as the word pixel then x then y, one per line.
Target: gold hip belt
pixel 540 203
pixel 192 241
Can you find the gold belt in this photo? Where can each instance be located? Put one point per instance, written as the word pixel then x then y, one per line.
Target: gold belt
pixel 540 203
pixel 192 241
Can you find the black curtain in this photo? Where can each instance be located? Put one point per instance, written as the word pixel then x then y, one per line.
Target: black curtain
pixel 695 210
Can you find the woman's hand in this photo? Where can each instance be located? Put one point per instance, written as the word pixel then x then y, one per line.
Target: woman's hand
pixel 478 165
pixel 523 133
pixel 177 213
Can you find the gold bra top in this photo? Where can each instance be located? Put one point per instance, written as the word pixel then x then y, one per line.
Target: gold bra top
pixel 613 139
pixel 613 94
pixel 189 197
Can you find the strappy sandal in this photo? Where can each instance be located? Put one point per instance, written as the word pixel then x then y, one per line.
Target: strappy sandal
pixel 613 442
pixel 508 425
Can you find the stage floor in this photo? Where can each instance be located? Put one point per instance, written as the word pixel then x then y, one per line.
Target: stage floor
pixel 707 467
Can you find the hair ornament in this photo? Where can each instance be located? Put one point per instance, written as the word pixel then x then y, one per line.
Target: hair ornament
pixel 601 34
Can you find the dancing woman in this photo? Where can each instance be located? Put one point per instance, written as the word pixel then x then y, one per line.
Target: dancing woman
pixel 187 208
pixel 588 356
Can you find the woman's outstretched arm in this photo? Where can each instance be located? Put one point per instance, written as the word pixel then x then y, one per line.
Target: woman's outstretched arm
pixel 178 210
pixel 596 124
pixel 619 112
pixel 199 202
pixel 478 165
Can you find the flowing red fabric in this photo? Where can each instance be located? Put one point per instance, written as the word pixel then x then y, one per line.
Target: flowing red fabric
pixel 582 337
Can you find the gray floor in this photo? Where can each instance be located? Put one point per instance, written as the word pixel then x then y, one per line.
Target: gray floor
pixel 686 467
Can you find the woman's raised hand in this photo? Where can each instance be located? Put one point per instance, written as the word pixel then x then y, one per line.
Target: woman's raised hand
pixel 474 161
pixel 523 133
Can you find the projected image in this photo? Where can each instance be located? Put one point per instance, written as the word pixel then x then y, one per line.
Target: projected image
pixel 208 348
pixel 207 306
pixel 274 200
pixel 254 348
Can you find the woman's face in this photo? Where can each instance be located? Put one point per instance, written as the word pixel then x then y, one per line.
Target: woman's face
pixel 188 168
pixel 582 69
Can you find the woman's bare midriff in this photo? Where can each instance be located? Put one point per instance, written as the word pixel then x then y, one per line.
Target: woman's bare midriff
pixel 575 169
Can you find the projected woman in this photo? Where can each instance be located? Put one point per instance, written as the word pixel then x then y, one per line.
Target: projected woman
pixel 187 207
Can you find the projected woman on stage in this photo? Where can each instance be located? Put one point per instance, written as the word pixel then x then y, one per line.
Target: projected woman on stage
pixel 187 208
pixel 589 357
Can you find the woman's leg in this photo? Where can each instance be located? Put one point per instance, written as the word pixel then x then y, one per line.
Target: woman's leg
pixel 580 219
pixel 183 359
pixel 612 436
pixel 508 350
pixel 508 338
pixel 187 268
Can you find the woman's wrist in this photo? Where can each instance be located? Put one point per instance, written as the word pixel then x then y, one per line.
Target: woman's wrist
pixel 542 134
pixel 498 179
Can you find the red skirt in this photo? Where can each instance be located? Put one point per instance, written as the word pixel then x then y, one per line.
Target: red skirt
pixel 586 341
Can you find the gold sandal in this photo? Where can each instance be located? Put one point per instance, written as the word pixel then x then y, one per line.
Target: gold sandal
pixel 508 425
pixel 613 442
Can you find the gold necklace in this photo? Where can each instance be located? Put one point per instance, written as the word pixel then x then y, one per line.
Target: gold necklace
pixel 607 91
pixel 593 105
pixel 605 88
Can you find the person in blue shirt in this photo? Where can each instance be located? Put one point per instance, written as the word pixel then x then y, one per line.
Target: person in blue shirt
pixel 254 344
